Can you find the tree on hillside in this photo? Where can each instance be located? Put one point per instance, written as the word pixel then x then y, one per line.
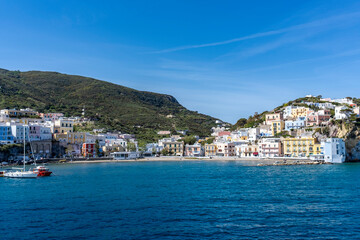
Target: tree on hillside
pixel 131 147
pixel 210 140
pixel 241 122
pixel 189 140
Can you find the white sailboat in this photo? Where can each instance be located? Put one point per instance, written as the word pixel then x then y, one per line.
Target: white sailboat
pixel 21 173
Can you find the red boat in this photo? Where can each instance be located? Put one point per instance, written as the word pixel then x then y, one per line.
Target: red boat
pixel 42 171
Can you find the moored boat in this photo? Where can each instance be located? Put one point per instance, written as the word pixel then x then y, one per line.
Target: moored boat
pixel 42 171
pixel 20 174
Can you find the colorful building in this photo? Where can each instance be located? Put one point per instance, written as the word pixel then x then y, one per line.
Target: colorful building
pixel 13 113
pixel 174 148
pixel 277 127
pixel 318 118
pixel 295 124
pixel 6 136
pixel 301 147
pixel 225 149
pixel 270 147
pixel 271 117
pixel 210 149
pixel 88 150
pixel 20 132
pixel 299 112
pixel 195 150
pixel 71 138
pixel 51 116
pixel 64 125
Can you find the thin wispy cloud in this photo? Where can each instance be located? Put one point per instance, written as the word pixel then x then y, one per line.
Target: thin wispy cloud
pixel 317 23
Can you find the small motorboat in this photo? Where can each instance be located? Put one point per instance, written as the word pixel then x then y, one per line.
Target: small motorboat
pixel 42 171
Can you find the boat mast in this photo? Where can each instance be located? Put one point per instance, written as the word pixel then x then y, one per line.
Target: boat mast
pixel 24 147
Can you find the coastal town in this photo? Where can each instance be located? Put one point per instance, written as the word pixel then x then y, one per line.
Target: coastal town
pixel 291 131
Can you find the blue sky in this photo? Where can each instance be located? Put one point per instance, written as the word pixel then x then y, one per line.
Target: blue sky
pixel 227 59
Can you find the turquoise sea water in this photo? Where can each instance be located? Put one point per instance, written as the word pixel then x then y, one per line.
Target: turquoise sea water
pixel 183 200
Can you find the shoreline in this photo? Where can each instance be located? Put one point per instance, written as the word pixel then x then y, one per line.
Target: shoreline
pixel 248 161
pixel 245 161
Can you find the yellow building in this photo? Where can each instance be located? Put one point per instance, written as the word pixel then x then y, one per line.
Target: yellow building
pixel 175 148
pixel 70 138
pixel 210 149
pixel 277 127
pixel 64 125
pixel 299 112
pixel 301 147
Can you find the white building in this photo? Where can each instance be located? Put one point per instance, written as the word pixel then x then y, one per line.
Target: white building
pixel 125 155
pixel 4 117
pixel 324 105
pixel 265 130
pixel 154 147
pixel 333 150
pixel 45 132
pixel 19 133
pixel 91 138
pixel 216 130
pixel 295 124
pixel 343 101
pixel 225 149
pixel 247 150
pixel 253 133
pixel 339 114
pixel 270 147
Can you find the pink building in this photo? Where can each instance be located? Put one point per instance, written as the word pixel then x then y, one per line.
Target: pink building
pixel 34 132
pixel 271 117
pixel 318 118
pixel 224 133
pixel 39 132
pixel 51 116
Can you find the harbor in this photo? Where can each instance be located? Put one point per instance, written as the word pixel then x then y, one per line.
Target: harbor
pixel 192 199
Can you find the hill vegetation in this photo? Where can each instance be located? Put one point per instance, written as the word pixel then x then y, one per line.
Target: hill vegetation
pixel 109 105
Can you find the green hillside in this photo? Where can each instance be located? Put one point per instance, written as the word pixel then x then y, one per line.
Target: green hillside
pixel 111 106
